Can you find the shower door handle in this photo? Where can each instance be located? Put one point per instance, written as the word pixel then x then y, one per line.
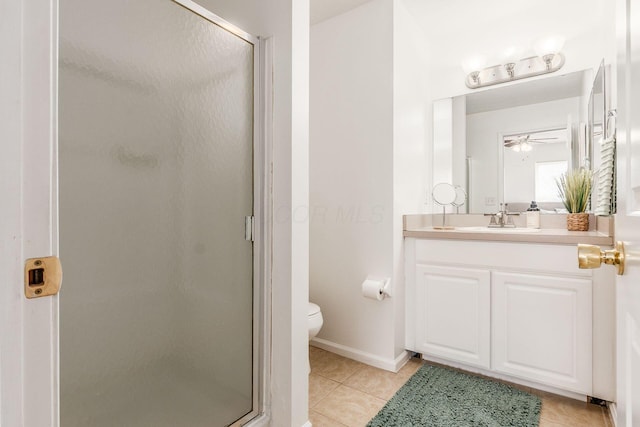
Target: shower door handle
pixel 248 228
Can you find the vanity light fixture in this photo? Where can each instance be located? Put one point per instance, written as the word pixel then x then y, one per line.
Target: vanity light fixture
pixel 549 59
pixel 472 67
pixel 510 57
pixel 548 48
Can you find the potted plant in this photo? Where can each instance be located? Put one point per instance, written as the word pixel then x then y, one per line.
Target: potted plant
pixel 574 188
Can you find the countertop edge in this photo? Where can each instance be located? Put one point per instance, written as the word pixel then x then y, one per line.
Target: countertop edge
pixel 558 239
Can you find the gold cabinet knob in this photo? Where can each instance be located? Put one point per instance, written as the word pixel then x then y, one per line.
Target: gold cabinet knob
pixel 590 256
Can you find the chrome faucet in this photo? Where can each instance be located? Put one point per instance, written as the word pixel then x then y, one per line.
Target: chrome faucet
pixel 502 218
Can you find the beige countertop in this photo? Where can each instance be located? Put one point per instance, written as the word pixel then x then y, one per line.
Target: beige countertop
pixel 473 227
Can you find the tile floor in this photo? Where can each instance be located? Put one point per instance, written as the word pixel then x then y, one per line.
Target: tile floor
pixel 343 392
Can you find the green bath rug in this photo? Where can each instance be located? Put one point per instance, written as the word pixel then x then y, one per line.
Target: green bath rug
pixel 440 397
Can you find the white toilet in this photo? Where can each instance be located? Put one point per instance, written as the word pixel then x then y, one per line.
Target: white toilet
pixel 315 320
pixel 314 323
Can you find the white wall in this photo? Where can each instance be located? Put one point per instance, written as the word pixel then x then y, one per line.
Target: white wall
pixel 449 146
pixel 409 151
pixel 459 150
pixel 368 117
pixel 459 29
pixel 351 175
pixel 520 179
pixel 442 135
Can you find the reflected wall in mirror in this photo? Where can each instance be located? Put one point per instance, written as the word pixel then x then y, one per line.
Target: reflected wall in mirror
pixel 603 154
pixel 597 109
pixel 477 152
pixel 602 127
pixel 532 162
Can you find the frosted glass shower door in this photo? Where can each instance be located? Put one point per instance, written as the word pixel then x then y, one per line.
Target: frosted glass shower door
pixel 156 139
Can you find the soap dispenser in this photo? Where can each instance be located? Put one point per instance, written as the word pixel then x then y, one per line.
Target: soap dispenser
pixel 533 216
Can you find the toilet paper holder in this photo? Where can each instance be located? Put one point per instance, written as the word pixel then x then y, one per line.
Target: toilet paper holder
pixel 376 287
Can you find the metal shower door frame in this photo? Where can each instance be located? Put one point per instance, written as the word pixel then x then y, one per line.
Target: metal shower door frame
pixel 261 210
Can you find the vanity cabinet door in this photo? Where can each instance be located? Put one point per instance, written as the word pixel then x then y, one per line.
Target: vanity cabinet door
pixel 452 313
pixel 542 329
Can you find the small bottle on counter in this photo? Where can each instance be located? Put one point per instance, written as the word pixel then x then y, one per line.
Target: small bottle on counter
pixel 533 216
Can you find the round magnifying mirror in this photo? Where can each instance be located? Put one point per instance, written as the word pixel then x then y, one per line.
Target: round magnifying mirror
pixel 443 193
pixel 461 197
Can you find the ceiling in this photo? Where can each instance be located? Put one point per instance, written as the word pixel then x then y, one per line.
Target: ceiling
pixel 460 14
pixel 325 9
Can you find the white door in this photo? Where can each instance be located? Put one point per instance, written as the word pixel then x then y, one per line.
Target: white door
pixel 628 217
pixel 28 225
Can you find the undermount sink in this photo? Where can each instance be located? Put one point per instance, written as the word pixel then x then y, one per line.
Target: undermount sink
pixel 485 229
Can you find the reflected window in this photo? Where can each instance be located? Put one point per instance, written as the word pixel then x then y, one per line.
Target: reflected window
pixel 547 173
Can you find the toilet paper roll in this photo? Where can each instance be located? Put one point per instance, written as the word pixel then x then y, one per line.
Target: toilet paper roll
pixel 373 288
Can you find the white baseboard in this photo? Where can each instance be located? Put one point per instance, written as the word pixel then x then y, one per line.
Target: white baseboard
pixel 392 365
pixel 307 424
pixel 613 413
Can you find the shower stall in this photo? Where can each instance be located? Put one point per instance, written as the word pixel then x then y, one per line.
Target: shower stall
pixel 159 186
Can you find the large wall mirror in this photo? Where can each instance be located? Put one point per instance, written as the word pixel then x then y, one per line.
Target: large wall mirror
pixel 508 144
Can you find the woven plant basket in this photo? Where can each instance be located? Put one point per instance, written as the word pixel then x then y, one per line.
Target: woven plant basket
pixel 578 221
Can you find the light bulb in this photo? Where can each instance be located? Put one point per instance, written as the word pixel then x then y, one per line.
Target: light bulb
pixel 511 55
pixel 549 45
pixel 474 63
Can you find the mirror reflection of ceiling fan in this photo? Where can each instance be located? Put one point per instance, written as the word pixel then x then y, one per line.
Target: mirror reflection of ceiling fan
pixel 526 141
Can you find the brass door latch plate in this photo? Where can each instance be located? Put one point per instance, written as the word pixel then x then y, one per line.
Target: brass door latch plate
pixel 42 276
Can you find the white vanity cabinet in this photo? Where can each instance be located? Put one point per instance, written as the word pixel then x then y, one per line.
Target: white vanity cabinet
pixel 520 311
pixel 453 320
pixel 541 328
